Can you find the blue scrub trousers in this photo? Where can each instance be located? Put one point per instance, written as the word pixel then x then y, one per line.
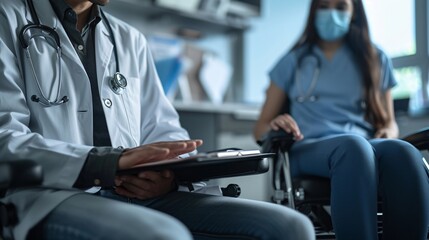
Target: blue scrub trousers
pixel 362 170
pixel 175 216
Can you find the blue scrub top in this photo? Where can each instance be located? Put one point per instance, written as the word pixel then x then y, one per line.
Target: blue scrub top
pixel 339 104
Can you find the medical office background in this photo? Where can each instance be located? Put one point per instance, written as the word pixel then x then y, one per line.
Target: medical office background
pixel 213 57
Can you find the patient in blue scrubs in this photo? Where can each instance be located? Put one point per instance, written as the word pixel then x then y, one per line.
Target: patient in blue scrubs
pixel 338 87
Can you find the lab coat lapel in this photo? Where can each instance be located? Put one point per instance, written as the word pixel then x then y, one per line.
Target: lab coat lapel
pixel 48 17
pixel 104 52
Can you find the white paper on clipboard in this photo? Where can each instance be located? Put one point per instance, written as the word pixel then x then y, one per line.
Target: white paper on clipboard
pixel 202 156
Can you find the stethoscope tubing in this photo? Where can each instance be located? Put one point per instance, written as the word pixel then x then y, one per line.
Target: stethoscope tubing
pixel 115 49
pixel 308 94
pixel 49 102
pixel 117 83
pixel 43 28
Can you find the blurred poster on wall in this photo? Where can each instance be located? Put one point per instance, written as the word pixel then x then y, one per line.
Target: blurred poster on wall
pixel 215 76
pixel 190 83
pixel 167 52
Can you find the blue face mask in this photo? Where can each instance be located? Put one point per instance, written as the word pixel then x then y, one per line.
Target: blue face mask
pixel 332 24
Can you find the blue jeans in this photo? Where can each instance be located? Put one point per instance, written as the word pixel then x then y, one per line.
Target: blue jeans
pixel 360 172
pixel 177 215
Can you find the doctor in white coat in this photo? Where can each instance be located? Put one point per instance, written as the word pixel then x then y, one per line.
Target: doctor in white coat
pixel 52 87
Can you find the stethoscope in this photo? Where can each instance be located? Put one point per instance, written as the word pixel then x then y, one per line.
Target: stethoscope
pixel 307 95
pixel 117 83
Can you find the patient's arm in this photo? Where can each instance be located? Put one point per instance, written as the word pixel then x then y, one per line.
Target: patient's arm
pixel 272 116
pixel 391 129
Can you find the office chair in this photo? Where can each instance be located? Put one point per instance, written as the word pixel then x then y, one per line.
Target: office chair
pixel 16 174
pixel 311 194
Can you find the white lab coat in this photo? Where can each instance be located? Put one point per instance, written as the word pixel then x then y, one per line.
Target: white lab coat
pixel 60 137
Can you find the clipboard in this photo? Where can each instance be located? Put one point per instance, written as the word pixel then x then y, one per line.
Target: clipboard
pixel 206 166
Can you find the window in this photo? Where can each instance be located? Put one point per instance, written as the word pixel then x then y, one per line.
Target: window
pixel 400 29
pixel 394 29
pixel 408 82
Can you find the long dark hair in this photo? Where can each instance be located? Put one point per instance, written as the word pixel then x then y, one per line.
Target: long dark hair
pixel 366 56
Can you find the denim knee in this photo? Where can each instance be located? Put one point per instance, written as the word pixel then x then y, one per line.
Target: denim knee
pixel 353 153
pixel 396 148
pixel 397 154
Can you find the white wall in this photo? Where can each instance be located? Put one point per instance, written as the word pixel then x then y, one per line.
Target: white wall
pixel 270 36
pixel 218 44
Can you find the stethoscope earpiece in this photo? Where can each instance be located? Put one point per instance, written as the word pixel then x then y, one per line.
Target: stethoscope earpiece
pixel 118 83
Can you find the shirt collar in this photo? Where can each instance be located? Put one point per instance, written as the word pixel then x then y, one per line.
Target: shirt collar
pixel 65 13
pixel 61 8
pixel 94 16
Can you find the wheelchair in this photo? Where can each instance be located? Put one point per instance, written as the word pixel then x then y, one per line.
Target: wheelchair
pixel 311 194
pixel 28 174
pixel 17 174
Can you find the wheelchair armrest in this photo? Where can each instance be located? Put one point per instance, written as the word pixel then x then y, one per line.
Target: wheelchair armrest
pixel 24 173
pixel 274 140
pixel 419 139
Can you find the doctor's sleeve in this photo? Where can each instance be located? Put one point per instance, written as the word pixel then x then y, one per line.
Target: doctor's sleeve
pixel 100 168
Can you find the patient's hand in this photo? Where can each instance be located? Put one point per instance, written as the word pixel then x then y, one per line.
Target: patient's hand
pixel 386 133
pixel 287 123
pixel 146 185
pixel 389 131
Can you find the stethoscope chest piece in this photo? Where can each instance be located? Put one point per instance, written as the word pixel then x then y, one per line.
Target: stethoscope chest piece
pixel 118 83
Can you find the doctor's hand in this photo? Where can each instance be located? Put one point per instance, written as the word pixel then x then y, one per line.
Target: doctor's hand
pixel 156 151
pixel 145 185
pixel 287 123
